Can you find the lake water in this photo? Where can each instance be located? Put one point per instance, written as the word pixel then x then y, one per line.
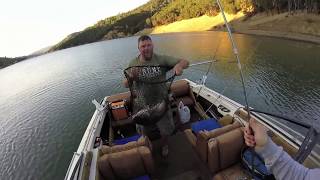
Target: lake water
pixel 45 102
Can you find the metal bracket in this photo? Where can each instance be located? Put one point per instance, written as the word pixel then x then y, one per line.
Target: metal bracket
pixel 307 145
pixel 99 107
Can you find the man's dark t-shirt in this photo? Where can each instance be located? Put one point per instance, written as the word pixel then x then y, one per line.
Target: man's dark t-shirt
pixel 151 94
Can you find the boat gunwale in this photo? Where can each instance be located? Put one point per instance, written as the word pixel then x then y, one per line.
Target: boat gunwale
pixel 93 128
pixel 291 139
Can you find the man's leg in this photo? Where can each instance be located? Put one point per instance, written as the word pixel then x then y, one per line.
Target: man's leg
pixel 140 130
pixel 166 128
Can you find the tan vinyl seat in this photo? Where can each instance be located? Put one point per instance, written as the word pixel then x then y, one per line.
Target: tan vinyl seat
pixel 220 149
pixel 225 150
pixel 224 156
pixel 118 97
pixel 200 141
pixel 235 172
pixel 181 91
pixel 126 161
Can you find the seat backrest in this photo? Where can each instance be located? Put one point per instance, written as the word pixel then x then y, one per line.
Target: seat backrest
pixel 225 150
pixel 119 97
pixel 126 164
pixel 204 136
pixel 142 141
pixel 181 91
pixel 126 161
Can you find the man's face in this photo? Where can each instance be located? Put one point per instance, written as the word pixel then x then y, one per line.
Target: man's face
pixel 146 49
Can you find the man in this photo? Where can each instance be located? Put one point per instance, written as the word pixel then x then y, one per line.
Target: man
pixel 278 162
pixel 148 58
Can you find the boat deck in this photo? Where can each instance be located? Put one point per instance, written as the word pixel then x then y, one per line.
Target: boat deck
pixel 182 162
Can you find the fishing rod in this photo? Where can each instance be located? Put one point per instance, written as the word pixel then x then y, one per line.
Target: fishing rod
pixel 236 53
pixel 313 133
pixel 203 62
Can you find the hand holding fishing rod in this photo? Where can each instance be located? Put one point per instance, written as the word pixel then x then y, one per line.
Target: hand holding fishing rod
pixel 255 134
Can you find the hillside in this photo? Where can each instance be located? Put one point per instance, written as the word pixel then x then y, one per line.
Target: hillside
pixel 202 23
pixel 299 26
pixel 159 16
pixel 151 14
pixel 6 61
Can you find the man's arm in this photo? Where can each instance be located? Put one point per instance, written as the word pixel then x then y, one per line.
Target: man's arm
pixel 280 164
pixel 180 66
pixel 125 83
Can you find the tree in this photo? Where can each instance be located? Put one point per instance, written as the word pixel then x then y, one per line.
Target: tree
pixel 229 6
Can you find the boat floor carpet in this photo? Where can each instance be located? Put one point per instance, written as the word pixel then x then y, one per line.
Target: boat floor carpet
pixel 181 163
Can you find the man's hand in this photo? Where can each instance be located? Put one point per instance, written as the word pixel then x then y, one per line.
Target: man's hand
pixel 178 68
pixel 256 138
pixel 125 83
pixel 132 74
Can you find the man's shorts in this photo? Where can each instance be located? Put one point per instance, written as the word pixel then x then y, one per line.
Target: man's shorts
pixel 165 125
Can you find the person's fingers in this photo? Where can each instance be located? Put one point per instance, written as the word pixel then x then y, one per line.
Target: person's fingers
pixel 249 137
pixel 247 129
pixel 252 124
pixel 250 143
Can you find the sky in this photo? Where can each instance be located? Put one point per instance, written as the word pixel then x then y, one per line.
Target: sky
pixel 29 25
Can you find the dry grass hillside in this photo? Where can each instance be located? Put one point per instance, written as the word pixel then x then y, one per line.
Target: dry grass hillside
pixel 203 23
pixel 300 26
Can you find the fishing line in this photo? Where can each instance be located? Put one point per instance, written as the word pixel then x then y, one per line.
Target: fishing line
pixel 236 53
pixel 204 78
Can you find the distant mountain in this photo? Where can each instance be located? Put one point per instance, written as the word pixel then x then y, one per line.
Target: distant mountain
pixel 7 61
pixel 153 13
pixel 160 12
pixel 41 51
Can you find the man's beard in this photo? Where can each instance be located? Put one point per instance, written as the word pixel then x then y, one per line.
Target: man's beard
pixel 148 56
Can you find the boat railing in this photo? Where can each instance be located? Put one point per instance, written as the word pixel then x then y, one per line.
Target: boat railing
pixel 86 142
pixel 74 169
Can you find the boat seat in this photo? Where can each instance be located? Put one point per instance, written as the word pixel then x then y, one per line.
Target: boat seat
pixel 200 140
pixel 118 97
pixel 220 153
pixel 181 92
pixel 205 125
pixel 226 120
pixel 127 140
pixel 132 160
pixel 234 172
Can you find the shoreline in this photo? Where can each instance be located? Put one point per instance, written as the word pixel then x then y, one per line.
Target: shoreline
pixel 299 26
pixel 281 35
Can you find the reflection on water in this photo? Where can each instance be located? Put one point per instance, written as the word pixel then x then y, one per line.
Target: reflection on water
pixel 45 102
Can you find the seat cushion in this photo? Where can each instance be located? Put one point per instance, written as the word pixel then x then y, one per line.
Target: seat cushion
pixel 187 100
pixel 204 136
pixel 207 125
pixel 234 172
pixel 145 177
pixel 126 164
pixel 191 137
pixel 218 131
pixel 225 120
pixel 119 97
pixel 126 140
pixel 229 156
pixel 142 141
pixel 180 88
pixel 225 150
